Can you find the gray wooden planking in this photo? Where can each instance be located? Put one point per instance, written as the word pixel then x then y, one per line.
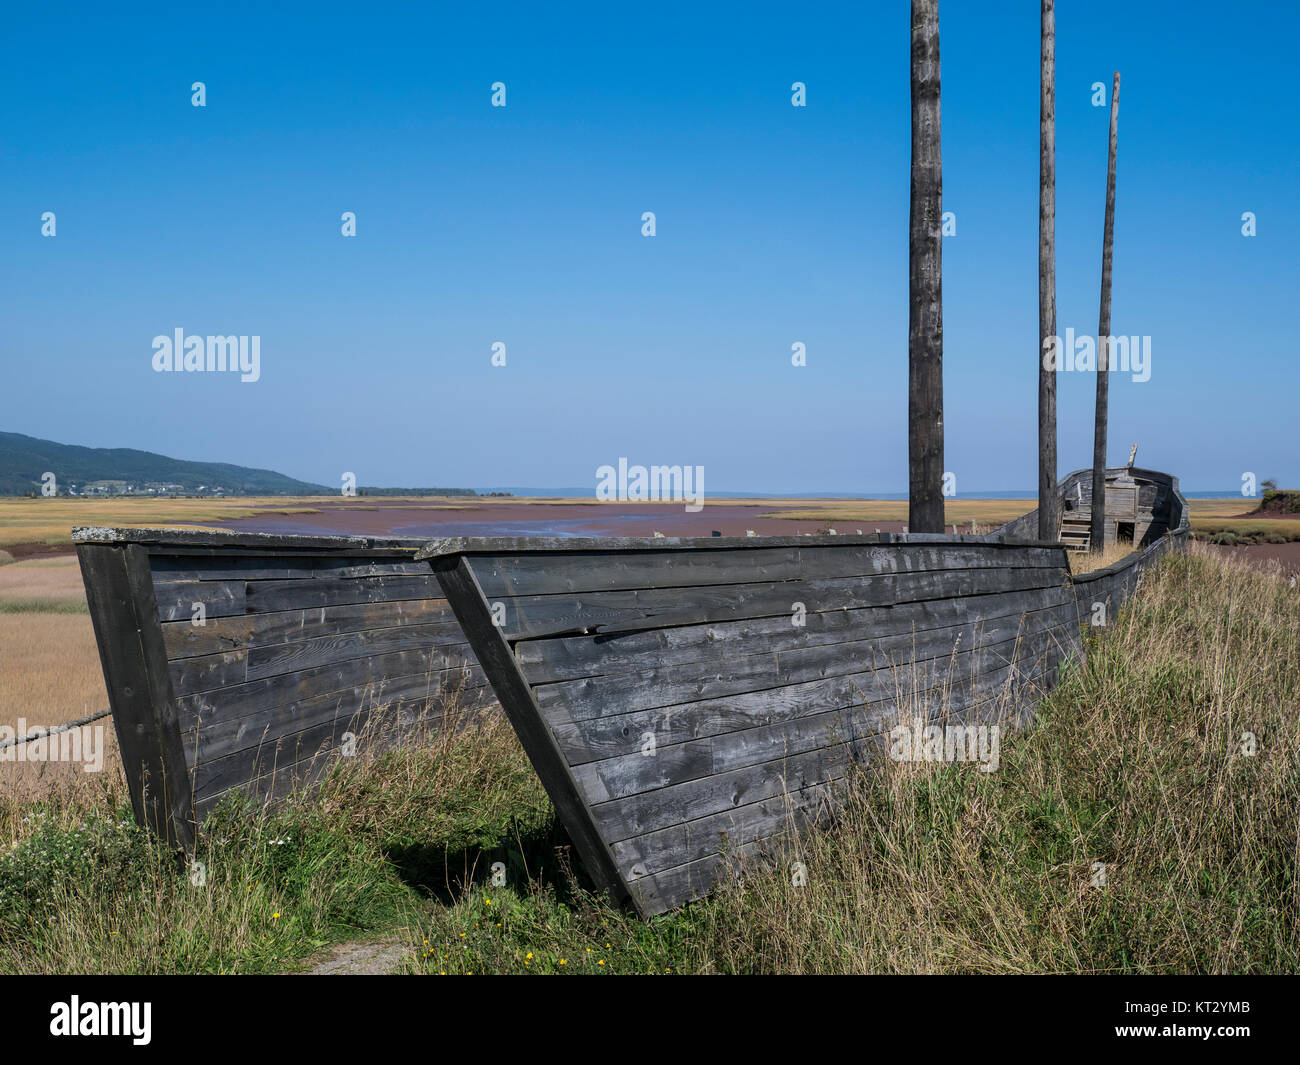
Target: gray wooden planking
pixel 217 734
pixel 676 759
pixel 596 738
pixel 702 777
pixel 308 736
pixel 578 571
pixel 533 616
pixel 240 700
pixel 609 695
pixel 185 640
pixel 695 722
pixel 296 634
pixel 299 593
pixel 571 658
pixel 756 764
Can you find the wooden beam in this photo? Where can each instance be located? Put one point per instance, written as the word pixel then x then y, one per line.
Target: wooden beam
pixel 119 591
pixel 516 697
pixel 925 281
pixel 1049 505
pixel 1098 515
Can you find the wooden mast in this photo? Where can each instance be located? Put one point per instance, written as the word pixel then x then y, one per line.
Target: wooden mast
pixel 1049 506
pixel 1097 532
pixel 925 315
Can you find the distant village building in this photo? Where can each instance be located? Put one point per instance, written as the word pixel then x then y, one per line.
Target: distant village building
pixel 111 487
pixel 106 488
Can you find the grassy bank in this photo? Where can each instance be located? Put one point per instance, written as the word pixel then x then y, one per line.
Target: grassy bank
pixel 1239 522
pixel 1128 830
pixel 49 521
pixel 1246 531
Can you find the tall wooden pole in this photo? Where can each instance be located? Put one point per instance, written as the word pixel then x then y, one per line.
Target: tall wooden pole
pixel 1097 534
pixel 1049 505
pixel 925 291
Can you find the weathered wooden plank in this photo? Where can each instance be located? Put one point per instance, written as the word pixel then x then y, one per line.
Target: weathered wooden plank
pixel 622 817
pixel 595 738
pixel 268 692
pixel 352 568
pixel 298 594
pixel 120 596
pixel 572 657
pixel 185 640
pixel 745 758
pixel 235 725
pixel 530 617
pixel 475 615
pixel 612 694
pixel 271 779
pixel 170 569
pixel 661 771
pixel 574 572
pixel 181 599
pixel 846 735
pixel 675 887
pixel 321 736
pixel 754 804
pixel 610 546
pixel 280 754
pixel 224 542
pixel 345 646
pixel 729 829
pixel 206 672
pixel 449 689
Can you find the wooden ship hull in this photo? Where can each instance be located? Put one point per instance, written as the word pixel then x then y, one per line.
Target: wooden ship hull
pixel 686 701
pixel 238 662
pixel 683 701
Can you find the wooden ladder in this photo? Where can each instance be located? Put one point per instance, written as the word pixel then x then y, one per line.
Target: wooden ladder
pixel 1076 532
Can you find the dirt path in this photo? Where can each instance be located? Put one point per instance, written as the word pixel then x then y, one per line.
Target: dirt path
pixel 384 957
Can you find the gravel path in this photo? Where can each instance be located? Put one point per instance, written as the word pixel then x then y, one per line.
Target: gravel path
pixel 381 958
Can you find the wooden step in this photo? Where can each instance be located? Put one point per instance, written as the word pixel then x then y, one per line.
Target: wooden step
pixel 1076 533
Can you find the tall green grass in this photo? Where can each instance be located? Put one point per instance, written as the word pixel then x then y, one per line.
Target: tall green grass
pixel 83 889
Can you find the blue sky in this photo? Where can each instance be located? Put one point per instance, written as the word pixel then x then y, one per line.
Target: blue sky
pixel 522 225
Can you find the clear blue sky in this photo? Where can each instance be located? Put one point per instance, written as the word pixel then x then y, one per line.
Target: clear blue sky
pixel 522 225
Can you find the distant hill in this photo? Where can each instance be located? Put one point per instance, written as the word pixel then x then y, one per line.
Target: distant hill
pixel 24 459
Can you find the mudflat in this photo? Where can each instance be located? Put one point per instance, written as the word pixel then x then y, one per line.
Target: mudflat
pixel 391 517
pixel 1285 555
